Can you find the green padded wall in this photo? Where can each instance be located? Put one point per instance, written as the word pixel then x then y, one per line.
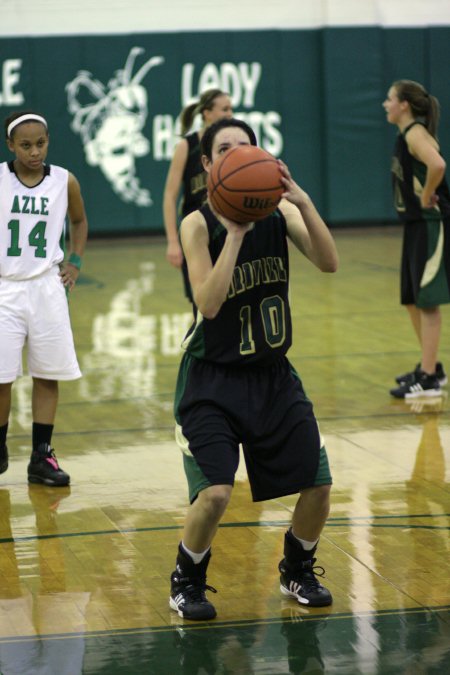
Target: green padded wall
pixel 313 96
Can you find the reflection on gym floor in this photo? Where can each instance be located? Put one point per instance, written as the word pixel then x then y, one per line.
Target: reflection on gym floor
pixel 84 571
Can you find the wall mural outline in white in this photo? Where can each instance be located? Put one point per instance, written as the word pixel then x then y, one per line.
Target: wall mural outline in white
pixel 110 125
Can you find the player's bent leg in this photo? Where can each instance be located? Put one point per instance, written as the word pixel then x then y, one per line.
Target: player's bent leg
pixel 298 575
pixel 188 581
pixel 188 587
pixel 311 512
pixel 204 515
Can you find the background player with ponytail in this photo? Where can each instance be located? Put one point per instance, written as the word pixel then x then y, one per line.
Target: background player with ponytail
pixel 186 171
pixel 422 200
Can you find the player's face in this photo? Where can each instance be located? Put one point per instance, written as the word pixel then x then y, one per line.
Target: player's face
pixel 221 108
pixel 229 137
pixel 393 106
pixel 30 145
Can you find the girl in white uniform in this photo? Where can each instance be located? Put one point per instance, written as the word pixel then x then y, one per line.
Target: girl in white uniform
pixel 34 201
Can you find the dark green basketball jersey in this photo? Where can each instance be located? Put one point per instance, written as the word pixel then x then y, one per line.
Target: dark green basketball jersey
pixel 254 323
pixel 194 177
pixel 408 179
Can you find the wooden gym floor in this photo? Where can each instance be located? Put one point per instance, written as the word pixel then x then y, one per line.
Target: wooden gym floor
pixel 84 572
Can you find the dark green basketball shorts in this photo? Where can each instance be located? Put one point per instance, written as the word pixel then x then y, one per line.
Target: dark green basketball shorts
pixel 263 408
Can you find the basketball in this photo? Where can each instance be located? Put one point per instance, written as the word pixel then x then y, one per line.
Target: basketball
pixel 245 184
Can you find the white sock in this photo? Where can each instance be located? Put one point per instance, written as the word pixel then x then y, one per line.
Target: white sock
pixel 307 545
pixel 196 557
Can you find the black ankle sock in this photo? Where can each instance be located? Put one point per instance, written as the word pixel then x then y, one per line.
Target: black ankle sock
pixel 42 433
pixel 3 432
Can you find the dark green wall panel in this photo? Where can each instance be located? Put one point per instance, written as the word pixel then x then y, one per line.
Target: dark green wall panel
pixel 439 80
pixel 316 102
pixel 353 122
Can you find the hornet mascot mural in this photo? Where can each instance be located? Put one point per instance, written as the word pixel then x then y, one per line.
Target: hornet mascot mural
pixel 110 124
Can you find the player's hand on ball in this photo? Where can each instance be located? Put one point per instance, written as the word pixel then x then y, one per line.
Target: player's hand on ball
pixel 293 192
pixel 233 227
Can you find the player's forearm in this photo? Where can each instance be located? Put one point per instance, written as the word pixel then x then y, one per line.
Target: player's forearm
pixel 78 236
pixel 212 293
pixel 435 174
pixel 170 220
pixel 321 249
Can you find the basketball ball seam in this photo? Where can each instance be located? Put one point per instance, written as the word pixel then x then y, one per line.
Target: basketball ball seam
pixel 236 209
pixel 218 189
pixel 243 166
pixel 221 179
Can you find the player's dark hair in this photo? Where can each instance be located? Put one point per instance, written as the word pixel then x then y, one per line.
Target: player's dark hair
pixel 13 116
pixel 210 133
pixel 423 106
pixel 206 102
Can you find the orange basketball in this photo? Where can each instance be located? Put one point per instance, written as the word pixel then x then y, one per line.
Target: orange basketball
pixel 245 184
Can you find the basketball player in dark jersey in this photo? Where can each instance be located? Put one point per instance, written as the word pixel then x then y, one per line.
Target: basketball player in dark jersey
pixel 422 201
pixel 235 385
pixel 186 172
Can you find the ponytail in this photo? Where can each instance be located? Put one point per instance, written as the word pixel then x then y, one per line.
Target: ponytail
pixel 424 106
pixel 206 102
pixel 187 117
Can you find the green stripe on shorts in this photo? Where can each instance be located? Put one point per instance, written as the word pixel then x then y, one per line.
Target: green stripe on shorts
pixel 434 285
pixel 323 475
pixel 196 479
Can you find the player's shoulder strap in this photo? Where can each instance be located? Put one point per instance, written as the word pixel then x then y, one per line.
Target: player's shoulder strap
pixel 209 216
pixel 410 126
pixel 193 141
pixel 215 227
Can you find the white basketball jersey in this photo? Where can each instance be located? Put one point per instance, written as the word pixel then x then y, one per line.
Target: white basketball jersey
pixel 32 222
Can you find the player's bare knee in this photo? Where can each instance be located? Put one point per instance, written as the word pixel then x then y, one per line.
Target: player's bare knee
pixel 320 494
pixel 215 498
pixel 323 493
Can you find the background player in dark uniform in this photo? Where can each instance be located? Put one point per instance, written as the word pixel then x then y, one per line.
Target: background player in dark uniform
pixel 186 171
pixel 422 200
pixel 235 384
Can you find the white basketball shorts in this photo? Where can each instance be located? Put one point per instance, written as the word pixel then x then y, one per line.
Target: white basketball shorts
pixel 35 313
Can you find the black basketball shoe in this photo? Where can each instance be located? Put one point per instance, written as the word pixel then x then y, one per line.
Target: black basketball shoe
pixel 298 575
pixel 410 378
pixel 3 458
pixel 188 586
pixel 423 385
pixel 44 468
